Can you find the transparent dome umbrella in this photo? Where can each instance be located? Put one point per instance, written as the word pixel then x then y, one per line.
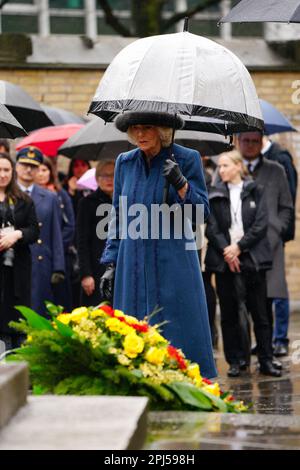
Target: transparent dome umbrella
pixel 277 11
pixel 179 73
pixel 24 108
pixel 10 128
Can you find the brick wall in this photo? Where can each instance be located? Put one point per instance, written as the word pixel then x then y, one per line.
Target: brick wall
pixel 74 89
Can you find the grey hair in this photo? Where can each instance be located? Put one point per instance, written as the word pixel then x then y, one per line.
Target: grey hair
pixel 165 134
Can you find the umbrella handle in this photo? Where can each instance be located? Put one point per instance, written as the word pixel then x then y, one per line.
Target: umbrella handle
pixel 166 192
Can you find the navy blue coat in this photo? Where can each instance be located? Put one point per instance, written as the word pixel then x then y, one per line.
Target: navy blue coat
pixel 48 252
pixel 161 272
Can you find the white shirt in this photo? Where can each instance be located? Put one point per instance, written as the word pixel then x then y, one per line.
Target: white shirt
pixel 26 190
pixel 253 163
pixel 236 230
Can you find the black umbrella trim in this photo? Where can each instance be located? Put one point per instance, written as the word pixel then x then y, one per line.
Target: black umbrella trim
pixel 108 110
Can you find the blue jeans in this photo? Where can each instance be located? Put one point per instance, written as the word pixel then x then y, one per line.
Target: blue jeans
pixel 282 313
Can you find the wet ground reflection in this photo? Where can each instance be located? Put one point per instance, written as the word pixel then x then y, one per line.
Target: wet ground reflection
pixel 273 424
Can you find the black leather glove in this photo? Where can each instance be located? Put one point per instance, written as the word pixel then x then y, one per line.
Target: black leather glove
pixel 172 173
pixel 57 278
pixel 107 281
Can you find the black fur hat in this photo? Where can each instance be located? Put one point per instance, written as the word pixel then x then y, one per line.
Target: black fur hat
pixel 128 119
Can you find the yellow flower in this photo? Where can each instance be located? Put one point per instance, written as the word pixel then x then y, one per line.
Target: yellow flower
pixel 79 313
pixel 123 360
pixel 119 313
pixel 155 355
pixel 29 339
pixel 133 345
pixel 64 318
pixel 193 372
pixel 153 337
pixel 98 313
pixel 214 389
pixel 240 407
pixel 113 324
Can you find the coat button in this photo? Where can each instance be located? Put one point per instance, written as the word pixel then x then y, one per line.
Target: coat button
pixel 39 241
pixel 40 224
pixel 40 258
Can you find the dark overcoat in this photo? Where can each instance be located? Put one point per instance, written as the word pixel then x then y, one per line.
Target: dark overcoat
pixel 272 177
pixel 47 252
pixel 89 245
pixel 18 290
pixel 155 271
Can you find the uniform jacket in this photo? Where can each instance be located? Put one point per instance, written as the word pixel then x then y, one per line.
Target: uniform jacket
pixel 256 251
pixel 47 252
pixel 162 272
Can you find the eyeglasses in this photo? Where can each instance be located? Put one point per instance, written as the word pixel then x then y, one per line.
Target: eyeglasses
pixel 251 141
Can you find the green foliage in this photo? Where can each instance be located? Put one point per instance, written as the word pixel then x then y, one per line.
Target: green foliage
pixel 33 319
pixel 191 396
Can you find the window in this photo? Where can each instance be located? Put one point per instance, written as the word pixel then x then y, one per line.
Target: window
pixel 72 4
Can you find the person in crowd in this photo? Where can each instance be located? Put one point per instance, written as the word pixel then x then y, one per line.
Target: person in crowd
pixel 77 169
pixel 18 229
pixel 272 151
pixel 238 250
pixel 4 146
pixel 272 176
pixel 46 177
pixel 148 272
pixel 90 246
pixel 48 264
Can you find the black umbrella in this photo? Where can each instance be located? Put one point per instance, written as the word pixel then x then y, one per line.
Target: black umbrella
pixel 96 141
pixel 277 11
pixel 10 128
pixel 207 144
pixel 27 111
pixel 61 116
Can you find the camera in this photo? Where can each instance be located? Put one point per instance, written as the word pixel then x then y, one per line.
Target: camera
pixel 8 255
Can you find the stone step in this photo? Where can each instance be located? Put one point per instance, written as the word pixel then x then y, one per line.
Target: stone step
pixel 14 383
pixel 71 422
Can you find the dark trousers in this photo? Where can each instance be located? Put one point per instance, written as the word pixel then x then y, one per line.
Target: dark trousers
pixel 211 299
pixel 256 303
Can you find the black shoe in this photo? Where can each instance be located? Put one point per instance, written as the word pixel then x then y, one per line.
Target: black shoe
pixel 277 364
pixel 267 368
pixel 281 350
pixel 254 350
pixel 243 365
pixel 234 370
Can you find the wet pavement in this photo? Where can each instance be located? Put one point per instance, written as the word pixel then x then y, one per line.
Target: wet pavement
pixel 274 421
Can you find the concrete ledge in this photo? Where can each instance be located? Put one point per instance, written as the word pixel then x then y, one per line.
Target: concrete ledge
pixel 72 423
pixel 14 383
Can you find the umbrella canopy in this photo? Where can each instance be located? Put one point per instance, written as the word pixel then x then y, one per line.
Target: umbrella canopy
pixel 88 180
pixel 277 11
pixel 60 116
pixel 49 139
pixel 10 128
pixel 96 141
pixel 275 121
pixel 179 73
pixel 207 144
pixel 27 111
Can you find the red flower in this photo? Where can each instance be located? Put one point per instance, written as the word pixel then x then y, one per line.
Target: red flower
pixel 206 381
pixel 175 354
pixel 140 328
pixel 108 309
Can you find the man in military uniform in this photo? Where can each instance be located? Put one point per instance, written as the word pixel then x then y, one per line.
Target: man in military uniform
pixel 48 266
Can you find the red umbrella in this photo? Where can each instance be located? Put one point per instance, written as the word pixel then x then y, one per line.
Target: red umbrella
pixel 49 139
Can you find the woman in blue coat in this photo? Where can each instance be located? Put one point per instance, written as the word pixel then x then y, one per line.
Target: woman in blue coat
pixel 145 267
